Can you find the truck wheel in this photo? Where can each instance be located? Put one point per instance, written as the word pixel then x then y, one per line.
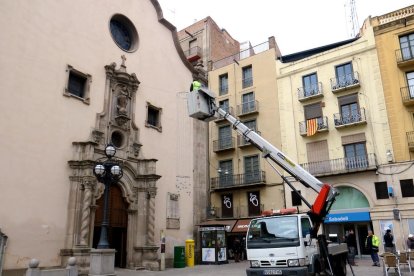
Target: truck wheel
pixel 340 266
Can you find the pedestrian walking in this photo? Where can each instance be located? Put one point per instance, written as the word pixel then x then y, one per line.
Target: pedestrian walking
pixel 237 249
pixel 389 242
pixel 410 242
pixel 372 245
pixel 352 245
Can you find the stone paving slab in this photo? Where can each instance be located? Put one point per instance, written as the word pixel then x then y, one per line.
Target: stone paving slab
pixel 364 268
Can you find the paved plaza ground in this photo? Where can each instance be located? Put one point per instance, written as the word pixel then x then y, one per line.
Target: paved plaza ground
pixel 364 268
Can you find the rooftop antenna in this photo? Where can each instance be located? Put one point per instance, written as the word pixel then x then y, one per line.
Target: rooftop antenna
pixel 352 18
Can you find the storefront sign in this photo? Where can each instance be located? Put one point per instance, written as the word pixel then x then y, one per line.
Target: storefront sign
pixel 347 217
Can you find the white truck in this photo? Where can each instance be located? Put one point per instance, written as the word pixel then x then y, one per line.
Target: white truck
pixel 282 242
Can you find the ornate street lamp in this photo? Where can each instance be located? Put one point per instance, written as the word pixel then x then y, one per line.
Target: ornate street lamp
pixel 107 172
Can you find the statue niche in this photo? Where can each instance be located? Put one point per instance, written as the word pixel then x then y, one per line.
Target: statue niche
pixel 122 105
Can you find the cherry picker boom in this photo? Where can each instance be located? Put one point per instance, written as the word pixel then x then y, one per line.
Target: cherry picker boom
pixel 202 106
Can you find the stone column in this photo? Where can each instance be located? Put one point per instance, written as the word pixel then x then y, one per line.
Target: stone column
pixel 86 211
pixel 151 218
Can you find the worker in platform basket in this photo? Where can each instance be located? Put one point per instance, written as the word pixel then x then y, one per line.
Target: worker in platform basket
pixel 195 85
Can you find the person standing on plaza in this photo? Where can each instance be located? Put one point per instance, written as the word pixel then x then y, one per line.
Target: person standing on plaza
pixel 372 244
pixel 389 242
pixel 237 249
pixel 352 245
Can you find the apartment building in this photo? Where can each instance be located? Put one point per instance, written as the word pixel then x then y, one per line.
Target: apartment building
pixel 334 122
pixel 76 78
pixel 394 37
pixel 242 183
pixel 205 42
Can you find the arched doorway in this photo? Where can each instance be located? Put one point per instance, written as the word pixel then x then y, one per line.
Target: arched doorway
pixel 118 224
pixel 350 211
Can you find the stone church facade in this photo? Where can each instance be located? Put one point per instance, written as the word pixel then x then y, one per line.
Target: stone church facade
pixel 79 78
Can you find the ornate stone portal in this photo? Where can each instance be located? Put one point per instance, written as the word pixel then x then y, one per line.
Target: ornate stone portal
pixel 115 124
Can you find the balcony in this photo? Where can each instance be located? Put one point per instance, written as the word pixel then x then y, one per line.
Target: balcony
pixel 237 181
pixel 224 144
pixel 243 142
pixel 193 54
pixel 308 93
pixel 228 109
pixel 405 57
pixel 346 82
pixel 407 95
pixel 238 212
pixel 322 126
pixel 246 108
pixel 410 140
pixel 342 165
pixel 354 119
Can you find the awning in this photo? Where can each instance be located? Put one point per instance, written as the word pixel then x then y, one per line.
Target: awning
pixel 228 224
pixel 241 226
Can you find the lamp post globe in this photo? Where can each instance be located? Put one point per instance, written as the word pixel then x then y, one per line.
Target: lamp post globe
pixel 107 172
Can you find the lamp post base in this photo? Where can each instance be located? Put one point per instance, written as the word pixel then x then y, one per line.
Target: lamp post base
pixel 102 262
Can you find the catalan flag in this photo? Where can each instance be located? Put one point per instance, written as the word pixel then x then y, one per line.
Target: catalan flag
pixel 311 126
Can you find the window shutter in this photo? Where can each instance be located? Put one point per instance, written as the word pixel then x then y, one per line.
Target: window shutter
pixel 313 111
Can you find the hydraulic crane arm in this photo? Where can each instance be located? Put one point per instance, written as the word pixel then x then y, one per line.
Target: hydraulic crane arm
pixel 202 106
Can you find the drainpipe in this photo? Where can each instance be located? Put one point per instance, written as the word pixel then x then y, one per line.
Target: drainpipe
pixel 3 242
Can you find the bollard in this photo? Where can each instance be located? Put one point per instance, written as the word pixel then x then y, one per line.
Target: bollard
pixel 189 252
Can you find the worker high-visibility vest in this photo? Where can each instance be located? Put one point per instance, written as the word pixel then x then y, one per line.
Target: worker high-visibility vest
pixel 195 85
pixel 375 241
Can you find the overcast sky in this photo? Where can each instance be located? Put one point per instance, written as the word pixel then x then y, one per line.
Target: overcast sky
pixel 297 25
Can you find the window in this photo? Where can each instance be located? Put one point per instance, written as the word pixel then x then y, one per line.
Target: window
pixel 306 226
pixel 227 205
pixel 381 190
pixel 247 76
pixel 253 200
pixel 224 104
pixel 410 82
pixel 225 140
pixel 350 112
pixel 251 124
pixel 223 84
pixel 153 117
pixel 407 46
pixel 123 33
pixel 310 85
pixel 313 111
pixel 226 173
pixel 355 156
pixel 344 74
pixel 248 103
pixel 296 200
pixel 407 188
pixel 251 169
pixel 78 84
pixel 173 211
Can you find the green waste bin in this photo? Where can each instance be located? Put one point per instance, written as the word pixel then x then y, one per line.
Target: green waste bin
pixel 179 256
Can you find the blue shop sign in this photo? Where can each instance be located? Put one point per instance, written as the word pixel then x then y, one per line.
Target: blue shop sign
pixel 347 217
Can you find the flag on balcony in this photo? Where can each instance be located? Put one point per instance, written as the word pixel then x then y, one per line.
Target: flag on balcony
pixel 311 126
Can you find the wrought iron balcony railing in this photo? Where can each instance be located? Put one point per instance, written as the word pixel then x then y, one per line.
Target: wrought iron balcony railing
pixel 404 56
pixel 342 120
pixel 247 108
pixel 243 142
pixel 410 140
pixel 235 212
pixel 228 109
pixel 226 181
pixel 224 144
pixel 345 82
pixel 407 95
pixel 322 125
pixel 342 165
pixel 310 92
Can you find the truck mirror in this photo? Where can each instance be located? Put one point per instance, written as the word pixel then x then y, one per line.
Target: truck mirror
pixel 307 240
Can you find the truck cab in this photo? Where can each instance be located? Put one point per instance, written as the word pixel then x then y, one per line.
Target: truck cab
pixel 279 244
